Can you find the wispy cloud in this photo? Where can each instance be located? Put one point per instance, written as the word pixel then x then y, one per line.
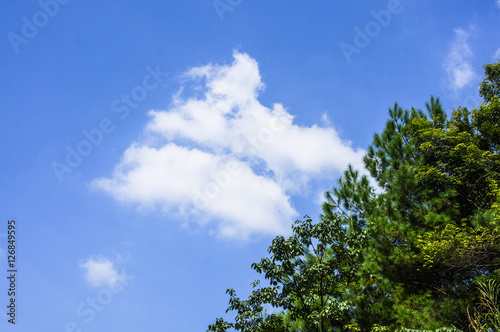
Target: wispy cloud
pixel 100 272
pixel 219 156
pixel 457 63
pixel 496 56
pixel 498 3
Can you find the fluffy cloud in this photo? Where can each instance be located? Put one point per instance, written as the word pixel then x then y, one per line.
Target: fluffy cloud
pixel 100 272
pixel 457 63
pixel 220 157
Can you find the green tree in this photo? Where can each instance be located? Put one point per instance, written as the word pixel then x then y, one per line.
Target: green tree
pixel 406 256
pixel 307 274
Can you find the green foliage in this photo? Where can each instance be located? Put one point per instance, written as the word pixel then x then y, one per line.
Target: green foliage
pixel 407 256
pixel 306 273
pixel 251 314
pixel 490 86
pixel 487 316
pixel 487 121
pixel 443 329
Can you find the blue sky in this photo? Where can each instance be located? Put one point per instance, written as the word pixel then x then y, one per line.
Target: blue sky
pixel 152 150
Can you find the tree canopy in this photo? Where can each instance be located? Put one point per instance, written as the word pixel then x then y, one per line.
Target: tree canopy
pixel 409 255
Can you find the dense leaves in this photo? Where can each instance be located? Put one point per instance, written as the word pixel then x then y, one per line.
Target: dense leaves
pixel 407 255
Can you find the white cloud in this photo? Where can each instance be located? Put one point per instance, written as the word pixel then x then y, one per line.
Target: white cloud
pixel 498 3
pixel 496 56
pixel 100 272
pixel 224 158
pixel 457 63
